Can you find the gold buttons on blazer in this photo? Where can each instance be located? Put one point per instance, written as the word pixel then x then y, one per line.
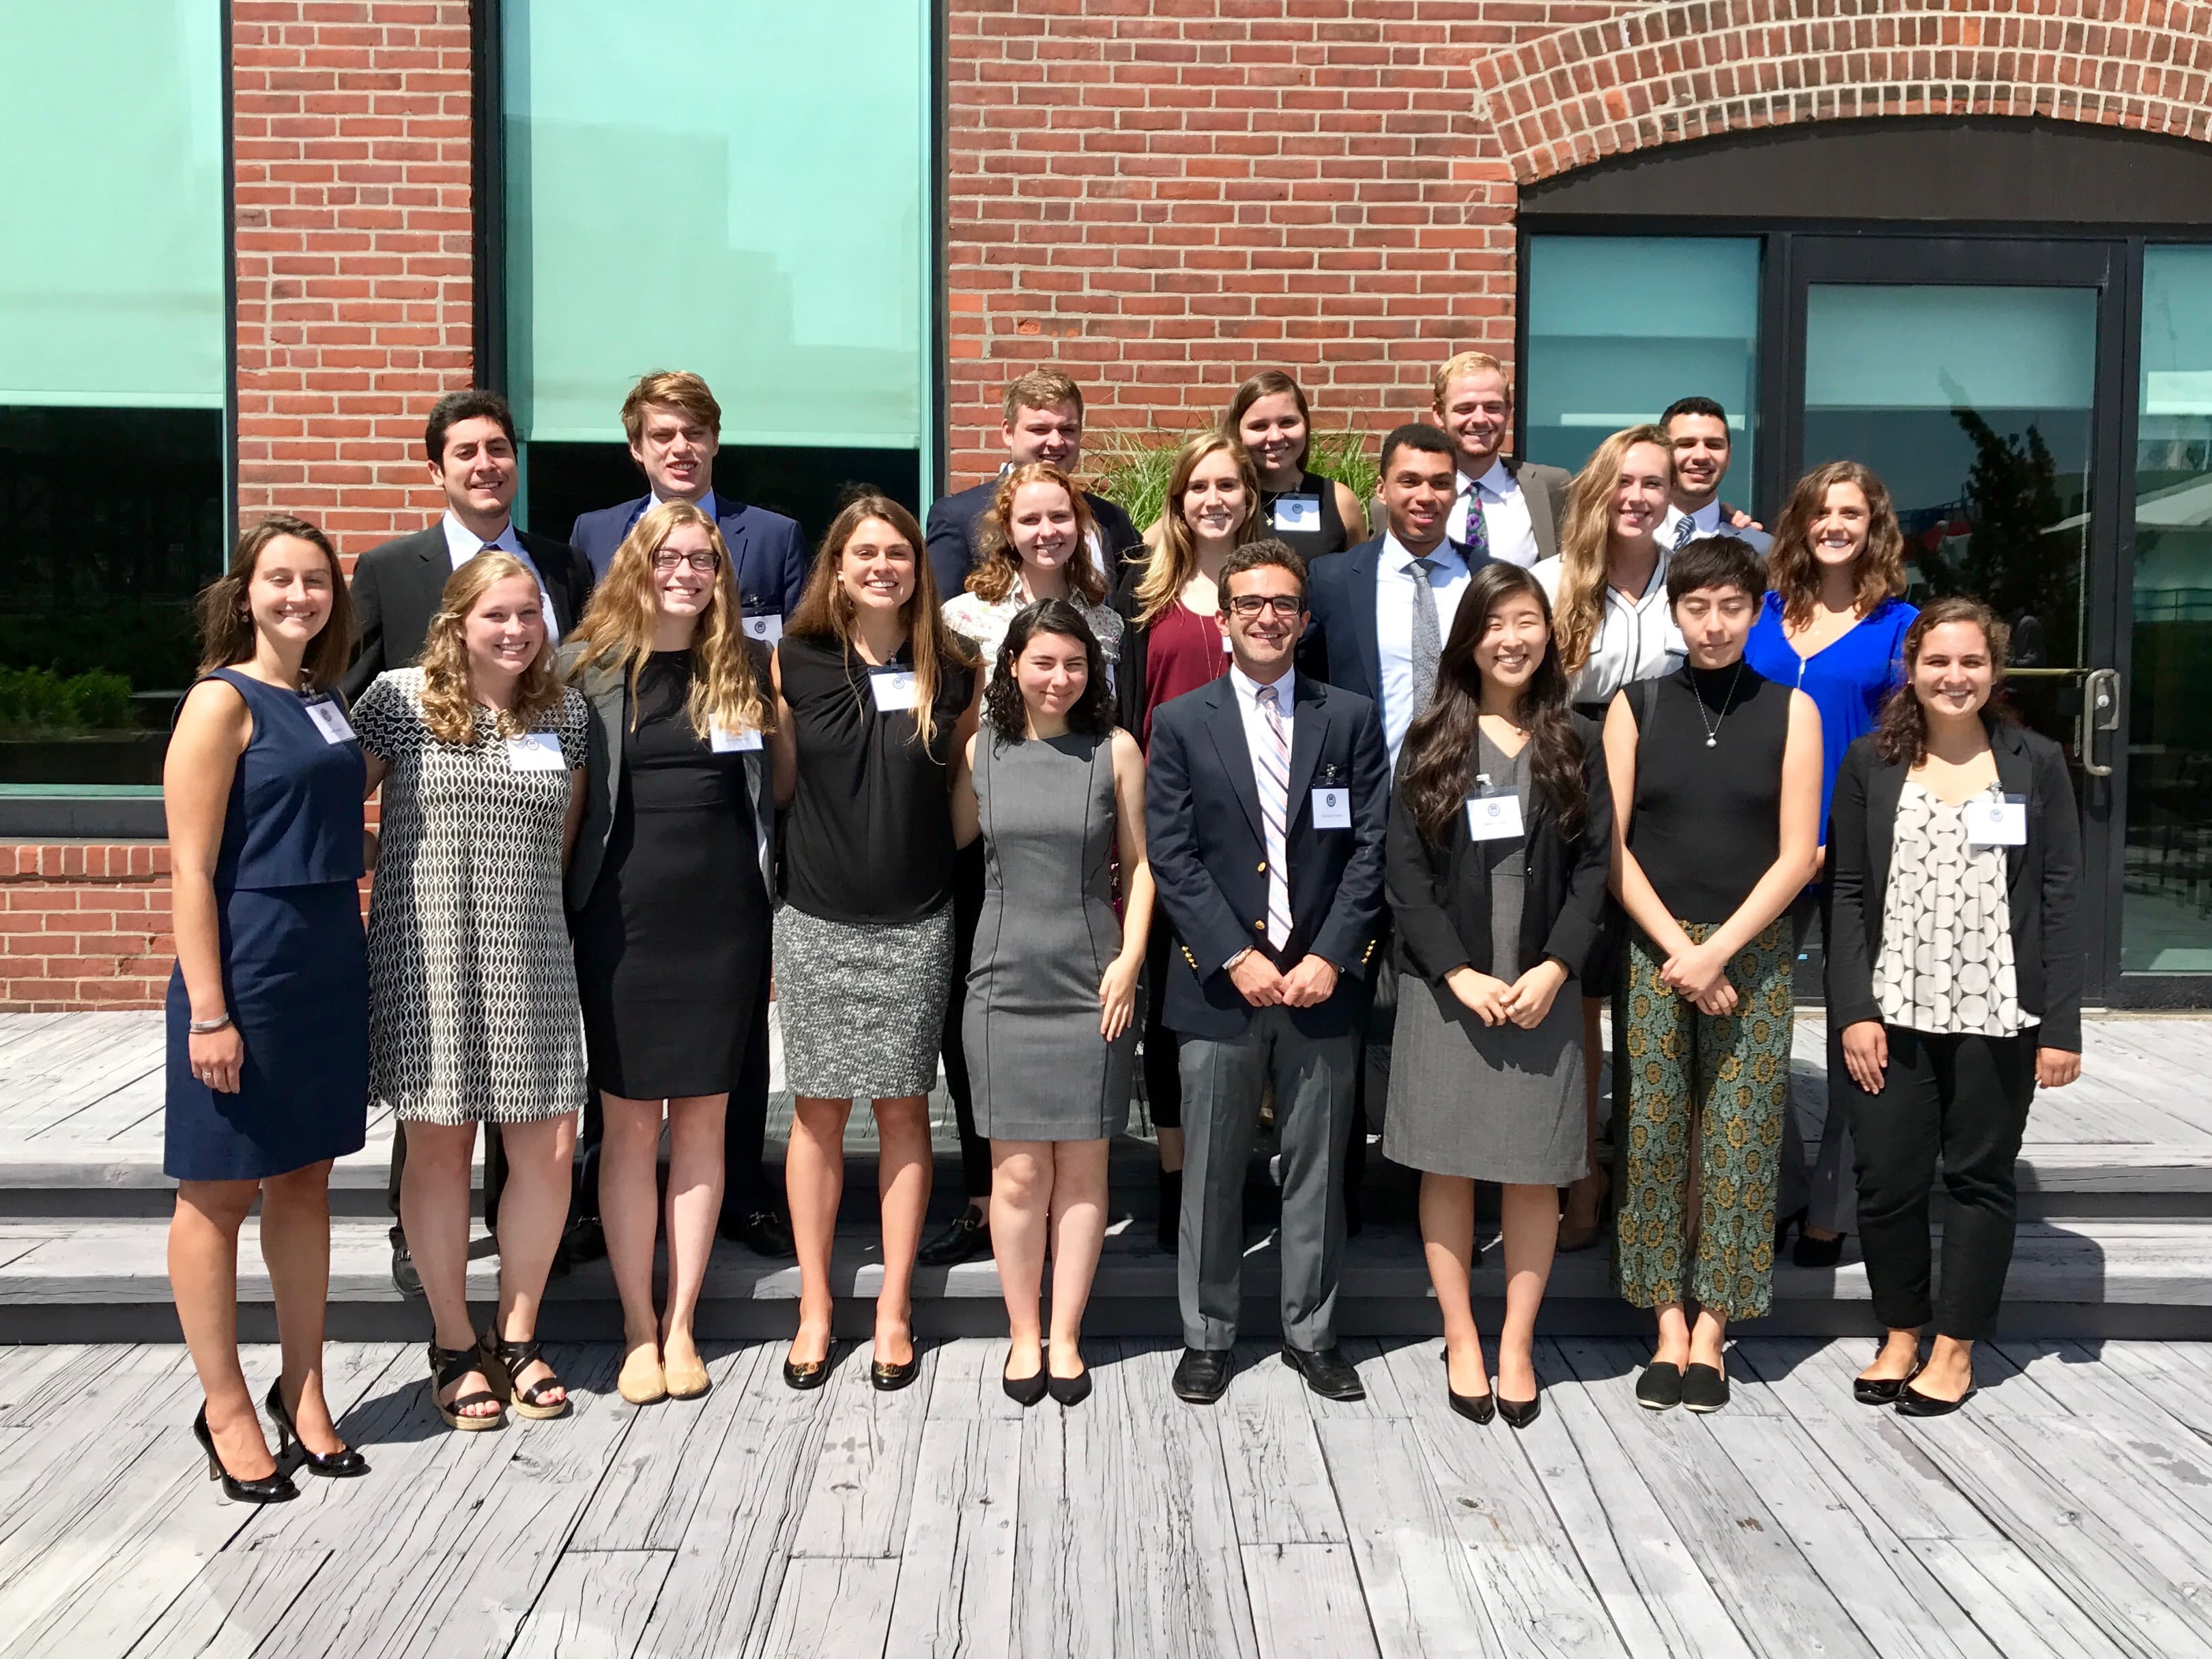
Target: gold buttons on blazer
pixel 1260 926
pixel 1263 866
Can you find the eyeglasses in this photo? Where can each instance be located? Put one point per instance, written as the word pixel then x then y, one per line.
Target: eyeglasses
pixel 664 561
pixel 1285 605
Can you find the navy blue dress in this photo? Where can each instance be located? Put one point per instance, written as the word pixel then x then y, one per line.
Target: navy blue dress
pixel 294 964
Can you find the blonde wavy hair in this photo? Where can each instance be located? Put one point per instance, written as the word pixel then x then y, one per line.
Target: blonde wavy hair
pixel 449 702
pixel 999 566
pixel 726 691
pixel 1171 566
pixel 1580 612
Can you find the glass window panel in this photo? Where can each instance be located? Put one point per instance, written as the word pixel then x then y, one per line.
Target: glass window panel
pixel 732 186
pixel 1621 326
pixel 110 267
pixel 1881 347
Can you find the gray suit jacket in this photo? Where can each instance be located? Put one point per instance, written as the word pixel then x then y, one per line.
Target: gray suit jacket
pixel 606 689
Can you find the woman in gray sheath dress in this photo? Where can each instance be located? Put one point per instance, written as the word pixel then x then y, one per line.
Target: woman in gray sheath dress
pixel 1057 793
pixel 1500 827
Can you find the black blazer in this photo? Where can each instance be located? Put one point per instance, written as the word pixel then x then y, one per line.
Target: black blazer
pixel 396 589
pixel 1209 853
pixel 2043 880
pixel 1339 645
pixel 1440 893
pixel 951 534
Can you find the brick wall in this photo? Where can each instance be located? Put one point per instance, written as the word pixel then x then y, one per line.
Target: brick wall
pixel 84 926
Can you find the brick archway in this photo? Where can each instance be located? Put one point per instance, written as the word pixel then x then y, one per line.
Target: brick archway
pixel 1664 74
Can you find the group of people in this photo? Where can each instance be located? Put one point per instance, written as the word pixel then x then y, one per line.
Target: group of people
pixel 1056 804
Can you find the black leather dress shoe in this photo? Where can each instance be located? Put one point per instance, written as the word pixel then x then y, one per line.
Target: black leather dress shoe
pixel 1475 1407
pixel 764 1232
pixel 806 1374
pixel 1520 1413
pixel 1202 1376
pixel 1704 1388
pixel 890 1379
pixel 586 1240
pixel 1911 1402
pixel 1884 1390
pixel 1659 1387
pixel 405 1278
pixel 968 1237
pixel 1327 1372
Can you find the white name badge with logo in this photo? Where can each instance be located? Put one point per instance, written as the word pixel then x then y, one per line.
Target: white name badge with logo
pixel 1493 815
pixel 767 629
pixel 894 692
pixel 1296 512
pixel 1994 822
pixel 329 720
pixel 727 742
pixel 1226 647
pixel 1332 808
pixel 536 751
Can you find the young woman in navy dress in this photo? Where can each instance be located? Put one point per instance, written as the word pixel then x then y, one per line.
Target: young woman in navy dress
pixel 268 1008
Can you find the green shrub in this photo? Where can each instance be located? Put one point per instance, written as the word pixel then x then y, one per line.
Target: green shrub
pixel 1132 468
pixel 39 702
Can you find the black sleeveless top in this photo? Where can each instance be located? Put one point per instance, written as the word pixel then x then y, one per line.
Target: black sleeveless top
pixel 1707 818
pixel 1311 508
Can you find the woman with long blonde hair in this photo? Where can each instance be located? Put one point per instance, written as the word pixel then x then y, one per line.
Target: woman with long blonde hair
pixel 875 699
pixel 480 751
pixel 668 899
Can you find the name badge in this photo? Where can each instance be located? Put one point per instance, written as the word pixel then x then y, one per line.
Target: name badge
pixel 329 720
pixel 1994 822
pixel 1227 649
pixel 536 751
pixel 893 691
pixel 727 742
pixel 1493 815
pixel 767 629
pixel 1332 808
pixel 1297 512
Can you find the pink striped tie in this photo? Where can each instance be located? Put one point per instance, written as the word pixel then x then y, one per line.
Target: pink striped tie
pixel 1275 813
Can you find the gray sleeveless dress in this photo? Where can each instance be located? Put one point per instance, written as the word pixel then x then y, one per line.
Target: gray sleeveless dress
pixel 1039 1068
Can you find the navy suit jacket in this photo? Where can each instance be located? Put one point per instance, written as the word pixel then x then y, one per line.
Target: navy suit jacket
pixel 766 550
pixel 951 534
pixel 1340 644
pixel 1208 851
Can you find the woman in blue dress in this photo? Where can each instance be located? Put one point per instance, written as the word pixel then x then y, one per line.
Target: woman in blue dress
pixel 267 1007
pixel 1832 625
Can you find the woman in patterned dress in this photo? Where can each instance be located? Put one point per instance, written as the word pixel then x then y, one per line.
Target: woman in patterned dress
pixel 472 984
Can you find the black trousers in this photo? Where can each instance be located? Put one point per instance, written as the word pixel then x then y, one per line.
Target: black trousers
pixel 1163 1071
pixel 951 1043
pixel 1961 1103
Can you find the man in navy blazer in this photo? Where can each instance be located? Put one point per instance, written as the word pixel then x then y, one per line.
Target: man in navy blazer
pixel 675 428
pixel 1264 819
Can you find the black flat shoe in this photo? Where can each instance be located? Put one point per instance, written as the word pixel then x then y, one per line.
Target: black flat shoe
pixel 1659 1387
pixel 764 1232
pixel 1884 1390
pixel 1810 1252
pixel 1170 1224
pixel 809 1374
pixel 341 1464
pixel 1024 1391
pixel 276 1488
pixel 1520 1413
pixel 1070 1390
pixel 405 1278
pixel 1202 1376
pixel 1327 1372
pixel 1704 1388
pixel 1911 1402
pixel 1475 1407
pixel 890 1379
pixel 968 1237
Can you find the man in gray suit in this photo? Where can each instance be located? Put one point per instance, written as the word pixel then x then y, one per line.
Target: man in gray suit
pixel 1522 502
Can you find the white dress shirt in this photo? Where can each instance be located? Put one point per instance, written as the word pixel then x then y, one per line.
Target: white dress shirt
pixel 1635 640
pixel 463 544
pixel 1505 517
pixel 1395 577
pixel 705 504
pixel 1705 521
pixel 1257 736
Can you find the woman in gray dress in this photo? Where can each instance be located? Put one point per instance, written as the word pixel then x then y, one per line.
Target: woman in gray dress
pixel 1500 827
pixel 1057 793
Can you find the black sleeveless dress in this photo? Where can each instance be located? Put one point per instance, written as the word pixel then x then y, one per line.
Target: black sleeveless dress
pixel 1306 518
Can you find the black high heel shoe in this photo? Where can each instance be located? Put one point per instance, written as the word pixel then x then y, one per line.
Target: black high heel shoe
pixel 276 1488
pixel 341 1464
pixel 1475 1407
pixel 1522 1412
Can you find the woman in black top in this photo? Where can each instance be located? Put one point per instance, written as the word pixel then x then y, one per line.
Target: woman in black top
pixel 1955 976
pixel 1501 828
pixel 1717 789
pixel 1310 512
pixel 876 698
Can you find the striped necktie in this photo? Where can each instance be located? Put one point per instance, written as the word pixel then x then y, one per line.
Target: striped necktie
pixel 1274 775
pixel 1685 531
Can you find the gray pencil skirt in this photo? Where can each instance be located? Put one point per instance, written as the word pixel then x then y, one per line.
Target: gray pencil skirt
pixel 862 1008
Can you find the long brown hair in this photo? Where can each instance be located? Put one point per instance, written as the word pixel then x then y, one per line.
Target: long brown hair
pixel 226 617
pixel 448 688
pixel 1794 572
pixel 1438 760
pixel 825 612
pixel 618 624
pixel 999 566
pixel 1169 566
pixel 1583 542
pixel 1269 383
pixel 1902 734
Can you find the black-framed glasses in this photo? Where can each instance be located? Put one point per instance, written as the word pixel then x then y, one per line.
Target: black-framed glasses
pixel 664 561
pixel 1285 605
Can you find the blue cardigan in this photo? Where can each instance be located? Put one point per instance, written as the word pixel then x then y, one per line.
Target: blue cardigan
pixel 1847 681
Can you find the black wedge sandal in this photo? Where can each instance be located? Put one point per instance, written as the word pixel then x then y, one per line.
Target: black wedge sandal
pixel 448 1367
pixel 511 1359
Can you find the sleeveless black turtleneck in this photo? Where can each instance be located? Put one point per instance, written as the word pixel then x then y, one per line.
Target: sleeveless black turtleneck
pixel 1707 822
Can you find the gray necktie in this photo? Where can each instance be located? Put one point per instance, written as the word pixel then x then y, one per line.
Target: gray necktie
pixel 1684 532
pixel 1428 635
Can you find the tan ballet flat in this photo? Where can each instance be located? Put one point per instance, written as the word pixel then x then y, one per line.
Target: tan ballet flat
pixel 643 1381
pixel 687 1378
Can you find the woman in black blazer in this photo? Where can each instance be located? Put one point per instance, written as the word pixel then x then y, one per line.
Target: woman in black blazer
pixel 1500 831
pixel 1954 972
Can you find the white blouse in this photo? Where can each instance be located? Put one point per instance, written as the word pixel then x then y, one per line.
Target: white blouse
pixel 1636 639
pixel 986 625
pixel 1945 963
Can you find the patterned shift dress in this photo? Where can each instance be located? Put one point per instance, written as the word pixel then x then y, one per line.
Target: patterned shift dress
pixel 473 1014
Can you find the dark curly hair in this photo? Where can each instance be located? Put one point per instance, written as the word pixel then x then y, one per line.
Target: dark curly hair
pixel 1901 735
pixel 1092 714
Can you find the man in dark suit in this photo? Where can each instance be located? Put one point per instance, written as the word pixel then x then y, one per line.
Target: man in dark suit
pixel 398 588
pixel 675 426
pixel 1699 429
pixel 1522 502
pixel 1264 819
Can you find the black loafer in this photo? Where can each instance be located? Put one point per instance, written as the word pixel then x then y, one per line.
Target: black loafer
pixel 1704 1388
pixel 1024 1391
pixel 890 1379
pixel 1659 1387
pixel 1911 1402
pixel 1884 1390
pixel 1202 1376
pixel 405 1278
pixel 763 1232
pixel 1327 1372
pixel 1520 1413
pixel 968 1237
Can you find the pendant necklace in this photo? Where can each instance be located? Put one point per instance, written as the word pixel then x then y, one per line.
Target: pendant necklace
pixel 1713 727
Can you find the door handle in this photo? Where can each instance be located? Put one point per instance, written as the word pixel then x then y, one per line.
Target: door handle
pixel 2101 714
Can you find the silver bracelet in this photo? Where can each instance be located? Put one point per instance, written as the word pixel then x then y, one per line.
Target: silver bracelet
pixel 205 1027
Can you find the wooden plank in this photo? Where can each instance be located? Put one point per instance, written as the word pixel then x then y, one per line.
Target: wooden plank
pixel 2014 1604
pixel 1072 1522
pixel 956 1579
pixel 831 1606
pixel 856 1503
pixel 969 1382
pixel 2163 1372
pixel 1306 1602
pixel 595 1604
pixel 657 1481
pixel 236 1606
pixel 1278 1481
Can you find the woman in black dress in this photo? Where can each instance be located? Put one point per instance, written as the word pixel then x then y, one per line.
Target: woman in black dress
pixel 1310 512
pixel 669 898
pixel 268 1073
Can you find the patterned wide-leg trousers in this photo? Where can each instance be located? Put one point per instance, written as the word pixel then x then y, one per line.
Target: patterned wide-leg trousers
pixel 1719 1084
